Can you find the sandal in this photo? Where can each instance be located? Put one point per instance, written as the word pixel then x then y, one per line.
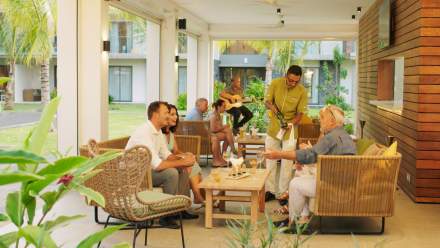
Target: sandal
pixel 283 211
pixel 220 165
pixel 284 196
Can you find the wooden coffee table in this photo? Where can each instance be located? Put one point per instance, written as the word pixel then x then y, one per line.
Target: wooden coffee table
pixel 258 141
pixel 253 184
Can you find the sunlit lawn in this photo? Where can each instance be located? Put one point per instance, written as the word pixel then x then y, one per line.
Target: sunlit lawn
pixel 123 120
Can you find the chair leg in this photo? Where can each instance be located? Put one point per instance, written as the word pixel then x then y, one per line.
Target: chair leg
pixel 105 225
pixel 181 230
pixel 135 235
pixel 146 233
pixel 96 215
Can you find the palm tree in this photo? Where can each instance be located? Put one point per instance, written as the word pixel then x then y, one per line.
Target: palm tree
pixel 11 34
pixel 39 23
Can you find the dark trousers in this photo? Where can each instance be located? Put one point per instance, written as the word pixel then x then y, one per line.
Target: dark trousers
pixel 237 112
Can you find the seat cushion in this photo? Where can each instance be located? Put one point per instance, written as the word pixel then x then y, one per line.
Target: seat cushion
pixel 362 145
pixel 153 203
pixel 374 150
pixel 391 151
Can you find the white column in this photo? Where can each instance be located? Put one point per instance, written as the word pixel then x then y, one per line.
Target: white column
pixel 191 81
pixel 67 121
pixel 168 66
pixel 153 58
pixel 204 70
pixel 93 70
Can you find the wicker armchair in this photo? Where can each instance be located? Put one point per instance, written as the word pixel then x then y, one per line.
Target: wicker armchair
pixel 189 143
pixel 197 128
pixel 356 186
pixel 120 183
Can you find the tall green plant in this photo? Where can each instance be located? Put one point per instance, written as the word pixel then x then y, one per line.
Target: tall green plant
pixel 181 101
pixel 255 90
pixel 39 22
pixel 218 88
pixel 331 90
pixel 35 174
pixel 11 33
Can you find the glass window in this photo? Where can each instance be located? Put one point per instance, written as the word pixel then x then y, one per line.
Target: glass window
pixel 182 74
pixel 120 83
pixel 182 41
pixel 310 80
pixel 121 37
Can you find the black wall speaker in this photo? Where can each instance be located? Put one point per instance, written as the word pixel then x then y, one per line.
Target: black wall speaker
pixel 181 24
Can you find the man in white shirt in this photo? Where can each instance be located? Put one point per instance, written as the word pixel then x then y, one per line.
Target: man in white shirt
pixel 168 169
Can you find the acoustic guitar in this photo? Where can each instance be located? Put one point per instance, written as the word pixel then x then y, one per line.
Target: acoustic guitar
pixel 235 101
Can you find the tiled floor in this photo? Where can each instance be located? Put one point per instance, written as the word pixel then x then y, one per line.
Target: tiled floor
pixel 414 225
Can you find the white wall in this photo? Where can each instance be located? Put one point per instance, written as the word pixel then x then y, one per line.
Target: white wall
pixel 139 79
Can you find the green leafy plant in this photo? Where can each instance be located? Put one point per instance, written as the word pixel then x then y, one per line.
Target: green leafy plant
pixel 218 88
pixel 35 174
pixel 332 91
pixel 53 93
pixel 349 128
pixel 181 101
pixel 255 90
pixel 263 235
pixel 4 80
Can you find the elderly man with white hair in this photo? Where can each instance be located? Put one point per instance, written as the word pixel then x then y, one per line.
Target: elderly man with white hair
pixel 336 141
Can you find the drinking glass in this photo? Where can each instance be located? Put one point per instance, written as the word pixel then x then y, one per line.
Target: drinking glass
pixel 216 175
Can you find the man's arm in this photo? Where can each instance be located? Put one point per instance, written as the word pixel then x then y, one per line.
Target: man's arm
pixel 174 161
pixel 275 154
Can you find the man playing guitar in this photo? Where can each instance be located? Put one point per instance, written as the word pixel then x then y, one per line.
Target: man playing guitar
pixel 233 96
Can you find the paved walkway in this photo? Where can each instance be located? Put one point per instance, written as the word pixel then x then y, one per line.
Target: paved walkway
pixel 14 119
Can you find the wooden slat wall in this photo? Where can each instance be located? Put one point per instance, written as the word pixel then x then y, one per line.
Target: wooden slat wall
pixel 417 129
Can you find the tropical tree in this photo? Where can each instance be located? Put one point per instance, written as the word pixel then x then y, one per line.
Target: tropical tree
pixel 39 24
pixel 11 33
pixel 338 60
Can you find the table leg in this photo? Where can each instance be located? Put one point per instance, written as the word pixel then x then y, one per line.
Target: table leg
pixel 261 200
pixel 208 208
pixel 254 207
pixel 222 203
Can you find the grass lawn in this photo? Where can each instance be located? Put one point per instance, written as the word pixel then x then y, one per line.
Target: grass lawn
pixel 123 120
pixel 26 107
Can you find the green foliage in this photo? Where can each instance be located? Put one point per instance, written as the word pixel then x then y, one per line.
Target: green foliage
pixel 4 80
pixel 53 93
pixel 181 101
pixel 332 91
pixel 243 234
pixel 111 99
pixel 96 237
pixel 70 172
pixel 349 128
pixel 218 88
pixel 255 90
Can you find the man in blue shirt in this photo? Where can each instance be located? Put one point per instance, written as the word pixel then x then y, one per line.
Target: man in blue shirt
pixel 196 114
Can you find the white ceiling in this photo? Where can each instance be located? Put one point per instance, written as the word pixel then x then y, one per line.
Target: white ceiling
pixel 260 12
pixel 257 19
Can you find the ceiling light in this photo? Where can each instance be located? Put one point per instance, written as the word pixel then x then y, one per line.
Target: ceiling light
pixel 353 17
pixel 359 9
pixel 278 11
